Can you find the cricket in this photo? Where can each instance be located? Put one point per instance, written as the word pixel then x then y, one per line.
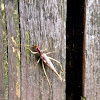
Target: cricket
pixel 45 60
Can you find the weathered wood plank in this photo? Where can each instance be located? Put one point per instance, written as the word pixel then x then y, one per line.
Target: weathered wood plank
pixel 5 42
pixel 92 50
pixel 44 21
pixel 25 93
pixel 12 67
pixel 1 59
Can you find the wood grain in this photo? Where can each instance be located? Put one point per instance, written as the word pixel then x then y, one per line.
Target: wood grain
pixel 1 59
pixel 12 67
pixel 44 21
pixel 92 50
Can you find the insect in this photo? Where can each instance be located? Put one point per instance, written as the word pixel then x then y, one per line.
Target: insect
pixel 45 60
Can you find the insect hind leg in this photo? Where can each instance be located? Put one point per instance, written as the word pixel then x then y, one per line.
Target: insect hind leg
pixel 46 74
pixel 59 64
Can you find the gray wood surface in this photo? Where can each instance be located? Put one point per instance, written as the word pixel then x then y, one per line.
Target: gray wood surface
pixel 92 50
pixel 1 59
pixel 46 25
pixel 43 22
pixel 12 66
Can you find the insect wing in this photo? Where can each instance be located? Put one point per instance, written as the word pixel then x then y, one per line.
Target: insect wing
pixel 48 62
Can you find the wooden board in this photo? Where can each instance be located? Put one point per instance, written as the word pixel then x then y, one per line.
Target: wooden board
pixel 92 50
pixel 13 79
pixel 45 23
pixel 1 59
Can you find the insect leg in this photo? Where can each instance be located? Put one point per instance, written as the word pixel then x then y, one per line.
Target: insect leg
pixel 44 49
pixel 49 52
pixel 32 51
pixel 36 63
pixel 46 74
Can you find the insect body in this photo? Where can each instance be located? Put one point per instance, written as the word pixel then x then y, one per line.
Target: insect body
pixel 47 61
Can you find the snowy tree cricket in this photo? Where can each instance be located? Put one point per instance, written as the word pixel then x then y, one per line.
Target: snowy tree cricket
pixel 45 60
